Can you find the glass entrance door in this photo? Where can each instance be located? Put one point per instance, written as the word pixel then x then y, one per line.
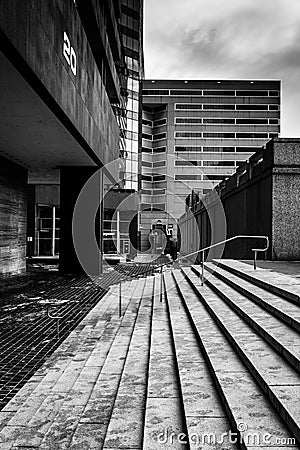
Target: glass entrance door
pixel 47 230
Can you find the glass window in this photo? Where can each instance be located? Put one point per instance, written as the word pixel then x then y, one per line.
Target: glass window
pixel 252 107
pixel 219 135
pixel 218 149
pixel 159 177
pixel 252 135
pixel 252 93
pixel 218 92
pixel 158 192
pixel 158 123
pixel 188 120
pixel 218 106
pixel 158 207
pixel 157 137
pixel 159 149
pixel 190 93
pixel 188 177
pixel 218 163
pixel 155 92
pixel 187 163
pixel 159 163
pixel 274 93
pixel 186 148
pixel 188 134
pixel 188 106
pixel 252 121
pixel 218 121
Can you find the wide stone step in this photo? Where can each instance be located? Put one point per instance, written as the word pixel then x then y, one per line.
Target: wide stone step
pixel 279 307
pixel 163 418
pixel 274 377
pixel 283 338
pixel 280 284
pixel 201 405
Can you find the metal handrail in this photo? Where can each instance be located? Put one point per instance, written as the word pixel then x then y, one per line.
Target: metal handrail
pixel 240 236
pixel 203 250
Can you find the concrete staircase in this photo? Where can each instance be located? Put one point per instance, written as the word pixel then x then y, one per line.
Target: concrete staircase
pixel 186 366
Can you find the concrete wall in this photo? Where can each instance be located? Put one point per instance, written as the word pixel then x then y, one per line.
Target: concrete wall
pixel 261 199
pixel 32 37
pixel 286 200
pixel 13 212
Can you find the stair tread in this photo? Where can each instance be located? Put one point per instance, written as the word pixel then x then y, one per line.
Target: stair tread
pixel 258 350
pixel 199 395
pixel 282 284
pixel 126 420
pixel 286 337
pixel 245 399
pixel 163 407
pixel 286 307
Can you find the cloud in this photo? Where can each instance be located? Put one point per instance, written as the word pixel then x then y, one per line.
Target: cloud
pixel 227 39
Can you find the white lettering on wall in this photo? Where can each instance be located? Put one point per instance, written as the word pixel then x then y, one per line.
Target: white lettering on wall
pixel 69 54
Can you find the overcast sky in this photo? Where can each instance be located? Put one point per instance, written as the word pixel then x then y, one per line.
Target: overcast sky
pixel 199 39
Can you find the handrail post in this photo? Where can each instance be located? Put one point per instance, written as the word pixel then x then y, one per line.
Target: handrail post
pixel 161 282
pixel 255 257
pixel 202 270
pixel 57 318
pixel 120 299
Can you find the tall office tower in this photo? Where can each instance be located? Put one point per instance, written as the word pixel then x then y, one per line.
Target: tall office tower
pixel 119 210
pixel 195 133
pixel 132 36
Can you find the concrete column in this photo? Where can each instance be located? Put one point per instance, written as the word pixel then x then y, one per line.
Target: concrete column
pixel 72 180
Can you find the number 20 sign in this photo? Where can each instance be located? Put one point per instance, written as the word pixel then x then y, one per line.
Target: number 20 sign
pixel 69 54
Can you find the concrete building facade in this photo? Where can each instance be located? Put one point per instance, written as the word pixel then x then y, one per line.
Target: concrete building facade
pixel 61 81
pixel 195 134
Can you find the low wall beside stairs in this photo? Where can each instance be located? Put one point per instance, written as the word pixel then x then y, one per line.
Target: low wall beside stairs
pixel 261 198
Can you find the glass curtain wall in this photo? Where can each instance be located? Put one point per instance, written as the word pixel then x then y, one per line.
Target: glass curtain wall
pixel 132 32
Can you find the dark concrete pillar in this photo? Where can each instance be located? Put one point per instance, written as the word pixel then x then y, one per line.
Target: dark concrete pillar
pixel 89 258
pixel 13 217
pixel 31 220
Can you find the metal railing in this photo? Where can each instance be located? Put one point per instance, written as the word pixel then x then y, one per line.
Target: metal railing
pixel 240 236
pixel 201 250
